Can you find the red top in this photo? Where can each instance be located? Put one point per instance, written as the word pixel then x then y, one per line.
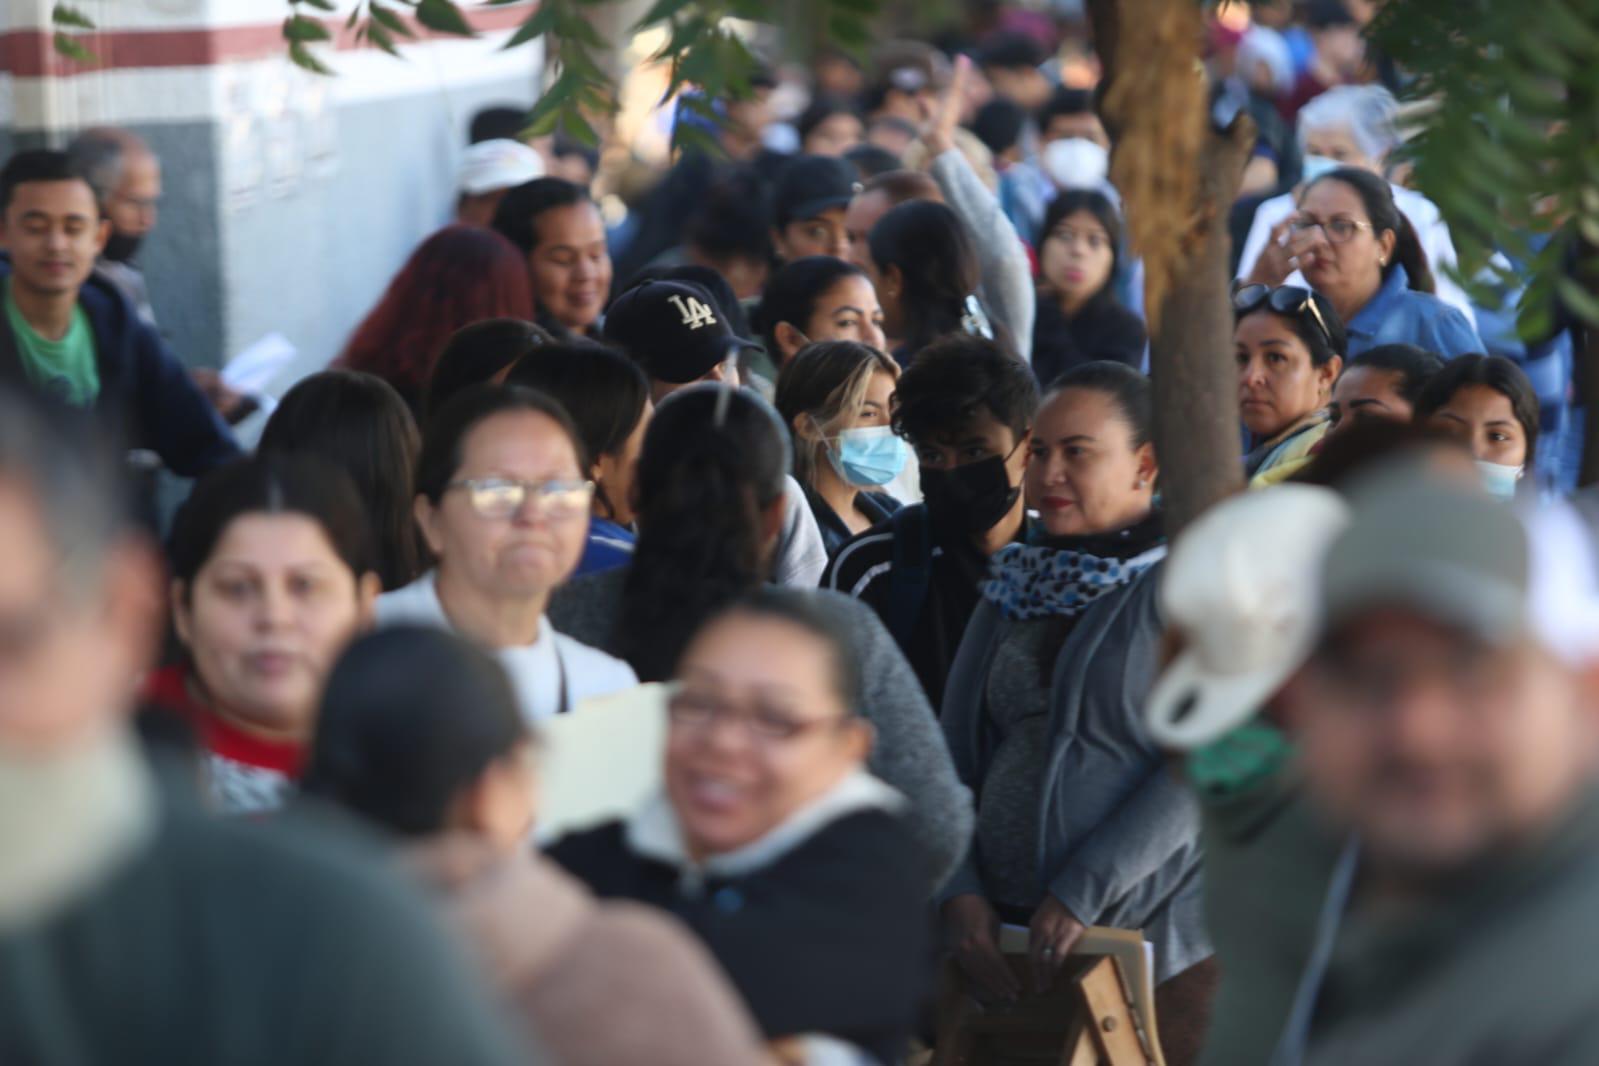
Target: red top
pixel 248 772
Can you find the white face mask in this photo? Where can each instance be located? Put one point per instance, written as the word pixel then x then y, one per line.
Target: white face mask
pixel 1499 479
pixel 1315 166
pixel 1076 163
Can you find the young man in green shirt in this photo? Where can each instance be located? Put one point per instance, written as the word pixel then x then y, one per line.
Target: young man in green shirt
pixel 76 337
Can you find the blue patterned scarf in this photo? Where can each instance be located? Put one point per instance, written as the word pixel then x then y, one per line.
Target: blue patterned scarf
pixel 1064 577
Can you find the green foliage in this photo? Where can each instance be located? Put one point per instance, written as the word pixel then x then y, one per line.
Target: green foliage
pixel 1509 144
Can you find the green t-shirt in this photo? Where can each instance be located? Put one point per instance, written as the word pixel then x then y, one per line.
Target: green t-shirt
pixel 65 369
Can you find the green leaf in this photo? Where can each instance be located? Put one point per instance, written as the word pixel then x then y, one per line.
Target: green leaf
pixel 579 30
pixel 660 11
pixel 539 23
pixel 302 57
pixel 300 28
pixel 67 15
pixel 381 38
pixel 575 126
pixel 68 46
pixel 355 16
pixel 442 16
pixel 392 22
pixel 1578 298
pixel 321 5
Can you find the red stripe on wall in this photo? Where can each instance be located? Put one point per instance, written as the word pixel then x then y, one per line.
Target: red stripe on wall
pixel 32 53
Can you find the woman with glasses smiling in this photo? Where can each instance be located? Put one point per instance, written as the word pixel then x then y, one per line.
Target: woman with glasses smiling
pixel 1290 346
pixel 503 504
pixel 1355 247
pixel 769 839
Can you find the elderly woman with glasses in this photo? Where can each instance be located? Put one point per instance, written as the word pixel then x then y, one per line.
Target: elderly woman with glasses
pixel 1290 346
pixel 503 504
pixel 1355 247
pixel 769 839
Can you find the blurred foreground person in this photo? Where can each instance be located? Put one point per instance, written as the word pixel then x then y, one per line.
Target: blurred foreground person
pixel 420 734
pixel 272 575
pixel 1449 721
pixel 711 499
pixel 132 927
pixel 770 838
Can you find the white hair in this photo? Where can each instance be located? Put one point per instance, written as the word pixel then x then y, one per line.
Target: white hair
pixel 1369 112
pixel 1264 45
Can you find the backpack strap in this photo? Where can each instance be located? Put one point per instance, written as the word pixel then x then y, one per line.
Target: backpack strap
pixel 911 573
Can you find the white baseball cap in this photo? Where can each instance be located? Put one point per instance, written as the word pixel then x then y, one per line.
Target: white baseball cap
pixel 1242 585
pixel 489 166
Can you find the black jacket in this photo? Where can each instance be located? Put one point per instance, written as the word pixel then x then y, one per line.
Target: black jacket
pixel 1103 329
pixel 146 394
pixel 864 568
pixel 877 506
pixel 831 937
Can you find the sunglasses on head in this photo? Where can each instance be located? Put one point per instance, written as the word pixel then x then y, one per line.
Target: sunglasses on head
pixel 1286 300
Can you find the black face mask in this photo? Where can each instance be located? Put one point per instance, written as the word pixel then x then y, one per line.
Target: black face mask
pixel 970 499
pixel 121 248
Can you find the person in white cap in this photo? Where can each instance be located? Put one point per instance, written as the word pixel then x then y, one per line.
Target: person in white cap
pixel 1238 594
pixel 1447 721
pixel 488 170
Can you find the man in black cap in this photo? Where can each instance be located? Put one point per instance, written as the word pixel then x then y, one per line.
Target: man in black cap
pixel 808 207
pixel 676 333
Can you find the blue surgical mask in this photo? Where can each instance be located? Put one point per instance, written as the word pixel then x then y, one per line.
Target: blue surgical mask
pixel 1315 166
pixel 866 457
pixel 1500 480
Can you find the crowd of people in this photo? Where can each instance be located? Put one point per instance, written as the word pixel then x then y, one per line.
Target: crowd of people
pixel 834 450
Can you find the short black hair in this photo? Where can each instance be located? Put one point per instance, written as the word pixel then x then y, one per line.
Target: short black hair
pixel 502 122
pixel 275 484
pixel 1128 388
pixel 1415 366
pixel 410 719
pixel 822 619
pixel 516 217
pixel 1325 14
pixel 475 354
pixel 733 217
pixel 1066 101
pixel 819 110
pixel 1009 50
pixel 603 391
pixel 562 146
pixel 39 164
pixel 999 124
pixel 958 378
pixel 869 160
pixel 1497 373
pixel 792 292
pixel 445 439
pixel 358 423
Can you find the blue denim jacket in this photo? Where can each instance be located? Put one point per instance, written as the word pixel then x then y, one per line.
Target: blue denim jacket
pixel 1399 315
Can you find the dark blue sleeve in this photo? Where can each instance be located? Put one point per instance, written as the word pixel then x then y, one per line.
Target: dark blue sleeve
pixel 176 419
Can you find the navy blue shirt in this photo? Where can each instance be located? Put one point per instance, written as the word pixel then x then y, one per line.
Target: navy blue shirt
pixel 609 546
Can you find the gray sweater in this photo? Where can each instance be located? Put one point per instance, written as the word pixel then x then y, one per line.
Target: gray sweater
pixel 1007 273
pixel 1118 834
pixel 910 753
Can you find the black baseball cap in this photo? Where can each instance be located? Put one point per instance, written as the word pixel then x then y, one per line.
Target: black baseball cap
pixel 811 184
pixel 674 330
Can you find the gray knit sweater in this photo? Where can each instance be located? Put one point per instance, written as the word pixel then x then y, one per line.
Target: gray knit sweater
pixel 910 753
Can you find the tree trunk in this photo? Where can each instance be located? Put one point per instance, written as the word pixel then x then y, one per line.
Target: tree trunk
pixel 1191 360
pixel 1191 365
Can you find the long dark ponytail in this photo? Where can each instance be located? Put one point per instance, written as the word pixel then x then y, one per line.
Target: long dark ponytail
pixel 937 263
pixel 1384 214
pixel 703 488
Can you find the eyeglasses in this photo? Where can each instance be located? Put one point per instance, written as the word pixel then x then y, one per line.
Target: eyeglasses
pixel 698 711
pixel 502 497
pixel 1287 300
pixel 1336 230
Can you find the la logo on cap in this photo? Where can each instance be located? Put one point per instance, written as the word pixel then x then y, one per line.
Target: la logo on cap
pixel 695 313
